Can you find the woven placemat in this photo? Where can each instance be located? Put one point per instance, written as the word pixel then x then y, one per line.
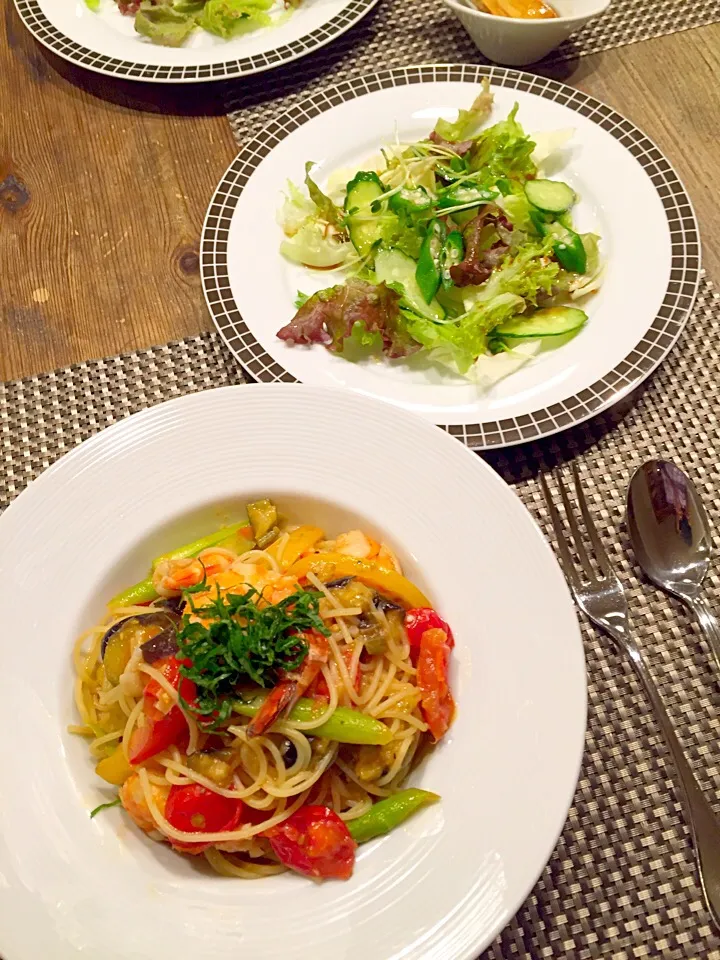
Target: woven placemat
pixel 400 33
pixel 621 882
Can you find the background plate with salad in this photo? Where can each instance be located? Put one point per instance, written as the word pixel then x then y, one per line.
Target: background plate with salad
pixel 186 41
pixel 623 207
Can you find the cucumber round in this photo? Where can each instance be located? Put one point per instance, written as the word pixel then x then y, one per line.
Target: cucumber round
pixel 394 266
pixel 551 322
pixel 364 228
pixel 552 196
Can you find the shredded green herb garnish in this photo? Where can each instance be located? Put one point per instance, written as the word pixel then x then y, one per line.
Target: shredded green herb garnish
pixel 105 806
pixel 238 641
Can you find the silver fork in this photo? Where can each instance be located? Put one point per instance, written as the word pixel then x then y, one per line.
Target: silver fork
pixel 602 599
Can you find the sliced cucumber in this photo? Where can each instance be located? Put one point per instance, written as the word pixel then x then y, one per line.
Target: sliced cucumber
pixel 394 266
pixel 552 196
pixel 551 322
pixel 366 225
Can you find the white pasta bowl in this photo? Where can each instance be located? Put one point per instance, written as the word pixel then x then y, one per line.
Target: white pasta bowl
pixel 519 42
pixel 438 888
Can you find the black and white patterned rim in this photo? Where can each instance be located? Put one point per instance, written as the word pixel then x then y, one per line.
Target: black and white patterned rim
pixel 628 374
pixel 48 34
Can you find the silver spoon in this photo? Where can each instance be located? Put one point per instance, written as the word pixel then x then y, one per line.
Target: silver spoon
pixel 670 534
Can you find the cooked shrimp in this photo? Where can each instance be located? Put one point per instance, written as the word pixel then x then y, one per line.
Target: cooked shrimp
pixel 133 799
pixel 354 543
pixel 244 572
pixel 216 560
pixel 252 847
pixel 387 559
pixel 171 577
pixel 280 588
pixel 291 687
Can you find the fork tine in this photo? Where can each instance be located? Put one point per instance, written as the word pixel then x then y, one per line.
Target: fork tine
pixel 566 561
pixel 601 554
pixel 580 547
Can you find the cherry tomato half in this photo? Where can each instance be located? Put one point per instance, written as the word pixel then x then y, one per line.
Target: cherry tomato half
pixel 314 841
pixel 420 619
pixel 195 809
pixel 436 704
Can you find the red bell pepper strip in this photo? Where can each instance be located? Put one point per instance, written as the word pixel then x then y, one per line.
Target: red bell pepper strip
pixel 161 730
pixel 314 841
pixel 157 735
pixel 436 703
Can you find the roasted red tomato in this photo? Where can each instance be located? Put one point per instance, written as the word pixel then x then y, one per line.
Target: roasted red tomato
pixel 195 809
pixel 315 842
pixel 161 728
pixel 437 704
pixel 420 619
pixel 154 693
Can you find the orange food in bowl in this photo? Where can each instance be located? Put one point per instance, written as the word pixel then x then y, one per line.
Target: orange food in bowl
pixel 519 9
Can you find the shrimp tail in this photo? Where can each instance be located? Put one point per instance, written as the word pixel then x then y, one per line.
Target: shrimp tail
pixel 291 687
pixel 284 695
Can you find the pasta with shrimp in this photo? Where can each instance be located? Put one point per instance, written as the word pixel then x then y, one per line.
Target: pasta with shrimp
pixel 262 697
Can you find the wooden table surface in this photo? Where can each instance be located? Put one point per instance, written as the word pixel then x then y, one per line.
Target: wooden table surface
pixel 104 185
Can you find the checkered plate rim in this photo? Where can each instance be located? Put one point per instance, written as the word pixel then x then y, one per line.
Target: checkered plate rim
pixel 55 40
pixel 628 374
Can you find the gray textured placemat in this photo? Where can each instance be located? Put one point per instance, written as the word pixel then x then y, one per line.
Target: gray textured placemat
pixel 621 883
pixel 400 33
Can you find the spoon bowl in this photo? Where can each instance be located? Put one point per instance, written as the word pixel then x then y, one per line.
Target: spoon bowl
pixel 672 539
pixel 669 528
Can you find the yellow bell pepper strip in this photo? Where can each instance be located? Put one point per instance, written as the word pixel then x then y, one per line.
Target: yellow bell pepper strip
pixel 387 582
pixel 387 814
pixel 299 542
pixel 114 769
pixel 238 538
pixel 344 726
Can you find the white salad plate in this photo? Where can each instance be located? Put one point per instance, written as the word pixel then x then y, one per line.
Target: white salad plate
pixel 629 194
pixel 438 888
pixel 105 41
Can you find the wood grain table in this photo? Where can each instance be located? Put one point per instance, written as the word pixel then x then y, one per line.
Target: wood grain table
pixel 104 185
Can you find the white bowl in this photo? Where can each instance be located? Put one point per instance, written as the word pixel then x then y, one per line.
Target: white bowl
pixel 519 42
pixel 438 888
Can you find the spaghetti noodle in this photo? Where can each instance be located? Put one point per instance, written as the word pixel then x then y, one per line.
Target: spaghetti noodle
pixel 261 699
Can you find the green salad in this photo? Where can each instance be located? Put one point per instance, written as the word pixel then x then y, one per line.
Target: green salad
pixel 457 247
pixel 170 22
